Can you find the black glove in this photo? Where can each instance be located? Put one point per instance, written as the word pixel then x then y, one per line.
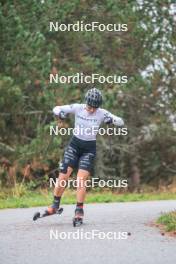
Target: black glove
pixel 108 120
pixel 62 115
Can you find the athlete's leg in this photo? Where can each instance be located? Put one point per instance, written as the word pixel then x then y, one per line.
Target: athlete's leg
pixel 86 163
pixel 59 189
pixel 81 193
pixel 61 182
pixel 81 189
pixel 69 161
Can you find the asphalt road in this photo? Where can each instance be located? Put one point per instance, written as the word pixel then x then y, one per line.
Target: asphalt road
pixel 54 240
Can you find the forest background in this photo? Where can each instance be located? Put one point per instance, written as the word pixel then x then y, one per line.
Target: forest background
pixel 29 52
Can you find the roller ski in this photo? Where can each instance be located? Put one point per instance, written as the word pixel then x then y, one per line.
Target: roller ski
pixel 78 218
pixel 50 211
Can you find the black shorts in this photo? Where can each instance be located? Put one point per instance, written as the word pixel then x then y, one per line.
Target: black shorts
pixel 79 154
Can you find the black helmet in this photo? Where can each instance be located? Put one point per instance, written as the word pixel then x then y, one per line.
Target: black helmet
pixel 93 98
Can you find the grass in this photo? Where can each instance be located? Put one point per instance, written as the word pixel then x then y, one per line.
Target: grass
pixel 168 220
pixel 25 198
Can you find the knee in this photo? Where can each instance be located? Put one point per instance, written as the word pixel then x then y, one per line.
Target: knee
pixel 63 177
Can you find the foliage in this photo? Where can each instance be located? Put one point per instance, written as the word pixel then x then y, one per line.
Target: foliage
pixel 44 197
pixel 168 220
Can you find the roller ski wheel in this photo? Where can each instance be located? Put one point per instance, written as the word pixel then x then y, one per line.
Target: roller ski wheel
pixel 48 212
pixel 78 218
pixel 77 221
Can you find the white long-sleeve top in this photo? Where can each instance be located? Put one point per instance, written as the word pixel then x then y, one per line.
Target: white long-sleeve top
pixel 86 123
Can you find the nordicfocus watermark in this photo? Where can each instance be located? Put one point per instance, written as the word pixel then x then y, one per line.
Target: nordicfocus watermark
pixel 92 183
pixel 81 26
pixel 88 131
pixel 80 234
pixel 81 78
